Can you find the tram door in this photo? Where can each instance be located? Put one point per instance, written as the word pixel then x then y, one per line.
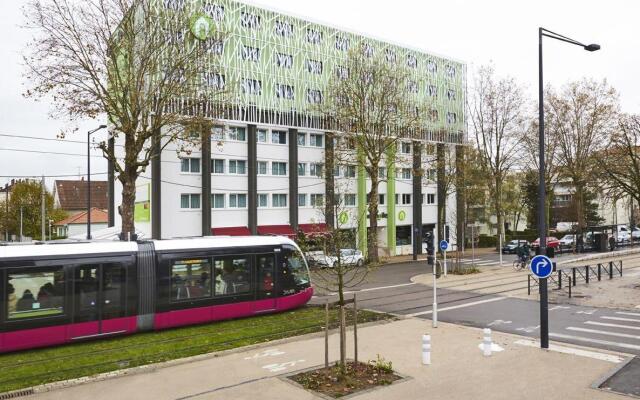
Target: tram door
pixel 98 300
pixel 265 282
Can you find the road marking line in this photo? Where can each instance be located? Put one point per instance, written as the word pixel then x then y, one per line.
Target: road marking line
pixel 374 288
pixel 628 313
pixel 612 325
pixel 577 352
pixel 596 341
pixel 598 332
pixel 475 303
pixel 621 319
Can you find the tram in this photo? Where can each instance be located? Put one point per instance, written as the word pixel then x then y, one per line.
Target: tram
pixel 52 294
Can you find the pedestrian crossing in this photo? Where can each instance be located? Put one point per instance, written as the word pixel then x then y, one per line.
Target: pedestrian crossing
pixel 483 263
pixel 616 330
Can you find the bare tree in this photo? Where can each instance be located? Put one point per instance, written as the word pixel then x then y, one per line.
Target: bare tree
pixel 497 112
pixel 582 118
pixel 368 99
pixel 118 59
pixel 619 163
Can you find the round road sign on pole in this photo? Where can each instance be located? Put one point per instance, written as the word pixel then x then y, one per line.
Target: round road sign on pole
pixel 541 266
pixel 444 245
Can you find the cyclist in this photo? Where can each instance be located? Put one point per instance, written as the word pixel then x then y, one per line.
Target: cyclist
pixel 523 253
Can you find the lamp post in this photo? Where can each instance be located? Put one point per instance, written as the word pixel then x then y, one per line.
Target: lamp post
pixel 542 217
pixel 89 178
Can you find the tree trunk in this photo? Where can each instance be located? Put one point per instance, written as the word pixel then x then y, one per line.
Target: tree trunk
pixel 372 239
pixel 127 207
pixel 498 210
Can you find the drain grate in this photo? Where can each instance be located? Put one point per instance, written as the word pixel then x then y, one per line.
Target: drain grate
pixel 16 394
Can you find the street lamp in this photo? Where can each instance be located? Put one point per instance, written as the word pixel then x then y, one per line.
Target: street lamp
pixel 542 218
pixel 89 178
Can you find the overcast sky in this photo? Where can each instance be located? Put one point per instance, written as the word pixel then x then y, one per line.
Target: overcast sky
pixel 474 31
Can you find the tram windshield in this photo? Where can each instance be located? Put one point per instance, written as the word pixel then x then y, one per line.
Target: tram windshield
pixel 295 267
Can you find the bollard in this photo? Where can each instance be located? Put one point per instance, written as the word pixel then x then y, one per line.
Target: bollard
pixel 426 349
pixel 487 342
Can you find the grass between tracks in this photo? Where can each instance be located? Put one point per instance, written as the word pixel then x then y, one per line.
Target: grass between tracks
pixel 36 367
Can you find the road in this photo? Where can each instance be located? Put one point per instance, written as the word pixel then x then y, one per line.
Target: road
pixel 390 290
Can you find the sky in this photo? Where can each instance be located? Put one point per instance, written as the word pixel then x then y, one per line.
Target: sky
pixel 476 32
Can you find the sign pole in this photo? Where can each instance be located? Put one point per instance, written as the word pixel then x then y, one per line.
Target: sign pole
pixel 445 262
pixel 544 314
pixel 434 315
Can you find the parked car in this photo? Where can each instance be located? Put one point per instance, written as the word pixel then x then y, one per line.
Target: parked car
pixel 552 241
pixel 347 257
pixel 314 258
pixel 568 241
pixel 635 234
pixel 623 236
pixel 512 246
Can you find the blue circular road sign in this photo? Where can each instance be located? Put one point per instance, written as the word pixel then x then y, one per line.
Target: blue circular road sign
pixel 444 245
pixel 541 266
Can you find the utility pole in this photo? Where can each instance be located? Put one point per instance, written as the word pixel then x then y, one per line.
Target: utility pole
pixel 6 215
pixel 21 223
pixel 43 209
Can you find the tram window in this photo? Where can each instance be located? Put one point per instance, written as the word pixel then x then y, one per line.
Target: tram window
pixel 190 279
pixel 232 275
pixel 266 273
pixel 35 294
pixel 294 270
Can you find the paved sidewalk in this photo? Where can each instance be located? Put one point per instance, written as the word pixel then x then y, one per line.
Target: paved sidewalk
pixel 459 370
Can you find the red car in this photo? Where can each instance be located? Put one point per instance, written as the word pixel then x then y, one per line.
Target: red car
pixel 552 241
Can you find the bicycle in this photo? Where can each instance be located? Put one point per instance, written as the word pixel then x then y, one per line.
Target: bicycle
pixel 520 264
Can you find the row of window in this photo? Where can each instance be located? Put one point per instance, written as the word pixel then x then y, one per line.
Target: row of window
pixel 274 136
pixel 191 201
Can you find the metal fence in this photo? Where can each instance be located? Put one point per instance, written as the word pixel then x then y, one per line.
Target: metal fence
pixel 569 277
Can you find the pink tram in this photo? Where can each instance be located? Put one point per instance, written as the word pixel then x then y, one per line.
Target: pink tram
pixel 58 293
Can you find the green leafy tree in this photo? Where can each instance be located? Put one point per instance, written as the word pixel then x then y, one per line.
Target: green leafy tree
pixel 27 196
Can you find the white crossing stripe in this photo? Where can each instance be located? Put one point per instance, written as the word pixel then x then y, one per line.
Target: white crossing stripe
pixel 621 319
pixel 612 325
pixel 596 341
pixel 577 352
pixel 628 313
pixel 475 303
pixel 607 333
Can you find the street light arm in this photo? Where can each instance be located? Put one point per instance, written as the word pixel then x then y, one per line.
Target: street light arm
pixel 562 38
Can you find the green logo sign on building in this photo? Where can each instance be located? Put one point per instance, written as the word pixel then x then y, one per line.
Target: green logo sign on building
pixel 343 218
pixel 402 215
pixel 201 26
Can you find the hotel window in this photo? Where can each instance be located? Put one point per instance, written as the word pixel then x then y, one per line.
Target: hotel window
pixel 451 118
pixel 316 140
pixel 279 137
pixel 405 148
pixel 405 173
pixel 314 96
pixel 302 139
pixel 250 21
pixel 251 86
pixel 302 200
pixel 432 174
pixel 214 46
pixel 431 198
pixel 433 115
pixel 262 135
pixel 314 36
pixel 279 200
pixel 315 169
pixel 390 55
pixel 336 171
pixel 217 200
pixel 217 166
pixel 262 167
pixel 238 133
pixel 367 49
pixel 284 29
pixel 314 66
pixel 382 172
pixel 250 53
pixel 217 132
pixel 432 67
pixel 406 199
pixel 263 200
pixel 342 43
pixel 302 169
pixel 190 165
pixel 412 87
pixel 381 199
pixel 350 171
pixel 174 5
pixel 215 11
pixel 451 94
pixel 317 200
pixel 285 92
pixel 412 61
pixel 279 168
pixel 238 167
pixel 237 200
pixel 190 201
pixel 432 90
pixel 284 60
pixel 450 71
pixel 349 200
pixel 342 72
